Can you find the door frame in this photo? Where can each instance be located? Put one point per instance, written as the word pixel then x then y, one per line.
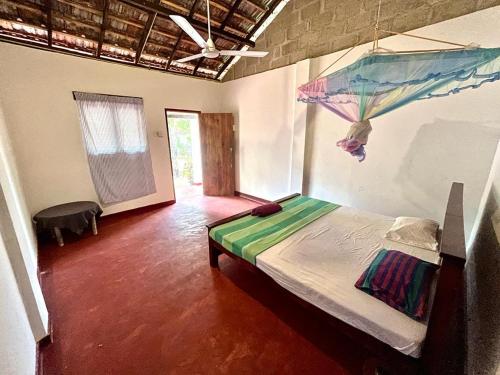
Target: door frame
pixel 168 139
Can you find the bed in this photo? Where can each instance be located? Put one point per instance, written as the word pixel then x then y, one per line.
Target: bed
pixel 319 264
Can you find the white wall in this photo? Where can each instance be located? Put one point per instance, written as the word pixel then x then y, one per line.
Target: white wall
pixel 414 153
pixel 36 91
pixel 18 236
pixel 262 106
pixel 417 151
pixel 17 345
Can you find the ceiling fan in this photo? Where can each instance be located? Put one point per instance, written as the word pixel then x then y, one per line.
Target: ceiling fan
pixel 208 48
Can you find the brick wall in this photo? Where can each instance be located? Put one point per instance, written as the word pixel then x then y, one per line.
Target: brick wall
pixel 311 28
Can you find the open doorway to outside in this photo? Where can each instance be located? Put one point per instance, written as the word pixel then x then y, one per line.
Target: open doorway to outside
pixel 184 139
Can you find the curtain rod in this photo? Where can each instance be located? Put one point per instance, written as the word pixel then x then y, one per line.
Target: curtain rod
pixel 116 96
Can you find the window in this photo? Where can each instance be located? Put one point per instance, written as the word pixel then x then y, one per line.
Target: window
pixel 112 123
pixel 114 131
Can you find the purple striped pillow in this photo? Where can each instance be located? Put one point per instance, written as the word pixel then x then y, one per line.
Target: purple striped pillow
pixel 400 280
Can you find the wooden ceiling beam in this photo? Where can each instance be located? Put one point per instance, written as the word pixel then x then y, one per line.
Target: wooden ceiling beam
pixel 218 24
pixel 145 6
pixel 222 25
pixel 162 46
pixel 264 18
pixel 169 49
pixel 175 6
pixel 167 34
pixel 31 7
pixel 93 25
pixel 105 11
pixel 200 60
pixel 116 17
pixel 35 45
pixel 230 13
pixel 145 34
pixel 98 29
pixel 48 10
pixel 81 7
pixel 256 6
pixel 179 39
pixel 175 37
pixel 232 9
pixel 254 29
pixel 121 35
pixel 80 22
pixel 176 47
pixel 204 18
pixel 111 15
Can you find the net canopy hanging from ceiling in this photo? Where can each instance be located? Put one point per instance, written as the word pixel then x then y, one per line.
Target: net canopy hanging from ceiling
pixel 381 82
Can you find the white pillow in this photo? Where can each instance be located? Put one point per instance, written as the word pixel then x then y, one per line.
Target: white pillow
pixel 415 232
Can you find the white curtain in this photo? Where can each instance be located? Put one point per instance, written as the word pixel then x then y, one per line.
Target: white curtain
pixel 114 130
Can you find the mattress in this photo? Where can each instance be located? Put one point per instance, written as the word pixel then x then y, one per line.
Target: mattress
pixel 321 262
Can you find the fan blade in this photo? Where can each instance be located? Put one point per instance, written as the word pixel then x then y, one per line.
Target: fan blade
pixel 189 58
pixel 244 53
pixel 189 30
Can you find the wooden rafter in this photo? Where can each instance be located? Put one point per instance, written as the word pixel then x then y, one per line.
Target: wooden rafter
pixel 116 17
pixel 145 34
pixel 86 8
pixel 36 45
pixel 78 21
pixel 179 38
pixel 110 15
pixel 103 27
pixel 48 10
pixel 97 12
pixel 30 7
pixel 145 6
pixel 202 17
pixel 221 27
pixel 174 37
pixel 216 24
pixel 176 46
pixel 256 6
pixel 252 32
pixel 120 34
pixel 169 50
pixel 233 9
pixel 230 13
pixel 197 66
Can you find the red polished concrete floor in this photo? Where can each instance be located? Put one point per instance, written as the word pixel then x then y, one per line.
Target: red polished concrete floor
pixel 140 298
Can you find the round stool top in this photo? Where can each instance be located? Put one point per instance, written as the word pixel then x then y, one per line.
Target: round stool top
pixel 74 216
pixel 66 209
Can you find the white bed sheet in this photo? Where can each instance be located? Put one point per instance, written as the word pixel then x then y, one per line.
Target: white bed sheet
pixel 321 262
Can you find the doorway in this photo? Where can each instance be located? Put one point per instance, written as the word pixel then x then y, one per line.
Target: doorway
pixel 183 129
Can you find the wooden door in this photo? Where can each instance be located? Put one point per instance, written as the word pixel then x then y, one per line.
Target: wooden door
pixel 217 142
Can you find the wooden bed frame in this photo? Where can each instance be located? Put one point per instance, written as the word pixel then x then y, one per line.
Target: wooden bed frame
pixel 447 310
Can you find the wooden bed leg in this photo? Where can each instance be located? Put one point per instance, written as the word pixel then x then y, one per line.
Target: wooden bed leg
pixel 214 256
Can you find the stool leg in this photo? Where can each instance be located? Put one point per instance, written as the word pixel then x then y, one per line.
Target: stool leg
pixel 59 236
pixel 94 226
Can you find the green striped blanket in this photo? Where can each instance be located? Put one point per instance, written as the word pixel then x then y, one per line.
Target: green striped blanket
pixel 249 236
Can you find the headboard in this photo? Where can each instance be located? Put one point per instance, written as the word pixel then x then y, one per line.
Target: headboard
pixel 453 235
